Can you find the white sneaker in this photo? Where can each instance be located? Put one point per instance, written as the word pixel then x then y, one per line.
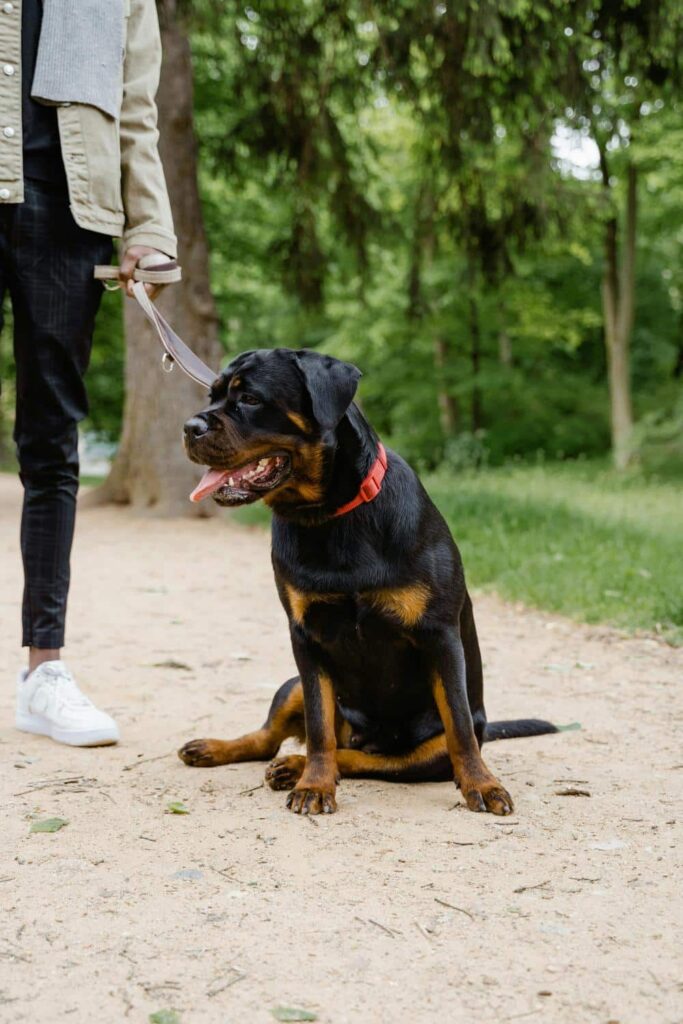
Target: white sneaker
pixel 49 703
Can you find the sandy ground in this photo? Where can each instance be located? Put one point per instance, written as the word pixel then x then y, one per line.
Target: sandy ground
pixel 403 906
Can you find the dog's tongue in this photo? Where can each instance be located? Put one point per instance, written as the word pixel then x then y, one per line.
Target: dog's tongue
pixel 210 482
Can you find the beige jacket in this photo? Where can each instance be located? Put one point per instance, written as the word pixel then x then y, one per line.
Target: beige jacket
pixel 116 182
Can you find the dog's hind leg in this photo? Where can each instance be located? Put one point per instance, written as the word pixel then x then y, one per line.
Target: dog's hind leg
pixel 285 718
pixel 428 762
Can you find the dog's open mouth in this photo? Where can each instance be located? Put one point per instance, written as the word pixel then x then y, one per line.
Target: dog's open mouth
pixel 243 485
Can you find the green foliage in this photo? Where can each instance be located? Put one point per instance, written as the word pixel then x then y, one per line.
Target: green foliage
pixel 385 184
pixel 390 183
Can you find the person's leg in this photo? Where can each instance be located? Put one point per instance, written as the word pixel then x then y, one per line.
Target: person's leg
pixel 54 299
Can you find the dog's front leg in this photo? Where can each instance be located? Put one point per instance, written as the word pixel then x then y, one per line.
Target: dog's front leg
pixel 314 792
pixel 480 788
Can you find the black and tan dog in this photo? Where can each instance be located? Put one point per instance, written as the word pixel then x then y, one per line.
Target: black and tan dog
pixel 383 635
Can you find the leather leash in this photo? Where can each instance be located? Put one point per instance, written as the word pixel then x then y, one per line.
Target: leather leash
pixel 175 350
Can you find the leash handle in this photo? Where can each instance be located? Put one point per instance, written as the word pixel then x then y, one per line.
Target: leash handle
pixel 176 351
pixel 154 268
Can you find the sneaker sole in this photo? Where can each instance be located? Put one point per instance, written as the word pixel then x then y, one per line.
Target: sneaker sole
pixel 40 726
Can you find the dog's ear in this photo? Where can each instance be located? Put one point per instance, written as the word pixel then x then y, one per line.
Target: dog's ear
pixel 331 385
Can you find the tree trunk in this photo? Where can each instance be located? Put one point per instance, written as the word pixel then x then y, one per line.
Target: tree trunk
pixel 150 471
pixel 618 291
pixel 504 348
pixel 424 245
pixel 448 409
pixel 475 346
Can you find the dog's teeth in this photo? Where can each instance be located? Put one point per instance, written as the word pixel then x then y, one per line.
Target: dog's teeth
pixel 231 481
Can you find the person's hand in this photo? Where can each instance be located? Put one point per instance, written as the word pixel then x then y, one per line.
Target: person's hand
pixel 128 265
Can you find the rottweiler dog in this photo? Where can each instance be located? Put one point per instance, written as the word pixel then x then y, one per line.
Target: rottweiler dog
pixel 382 629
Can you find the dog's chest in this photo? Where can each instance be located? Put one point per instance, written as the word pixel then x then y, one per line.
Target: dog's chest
pixel 329 618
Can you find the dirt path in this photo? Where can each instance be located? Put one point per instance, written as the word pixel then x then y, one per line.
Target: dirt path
pixel 401 907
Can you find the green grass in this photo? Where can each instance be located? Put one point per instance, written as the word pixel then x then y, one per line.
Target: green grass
pixel 573 538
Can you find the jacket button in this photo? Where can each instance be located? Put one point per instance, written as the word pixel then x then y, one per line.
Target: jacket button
pixel 8 69
pixel 8 132
pixel 5 193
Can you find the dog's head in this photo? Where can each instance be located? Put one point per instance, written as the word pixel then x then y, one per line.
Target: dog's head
pixel 272 416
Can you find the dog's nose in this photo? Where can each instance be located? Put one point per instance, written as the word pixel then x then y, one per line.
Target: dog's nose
pixel 195 427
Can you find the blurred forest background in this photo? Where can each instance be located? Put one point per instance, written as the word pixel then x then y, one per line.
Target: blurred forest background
pixel 481 205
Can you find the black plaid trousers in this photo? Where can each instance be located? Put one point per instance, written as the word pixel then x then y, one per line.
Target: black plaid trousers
pixel 46 265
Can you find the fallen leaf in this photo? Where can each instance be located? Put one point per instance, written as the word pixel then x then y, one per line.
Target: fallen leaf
pixel 292 1013
pixel 172 663
pixel 164 1017
pixel 177 807
pixel 49 825
pixel 571 791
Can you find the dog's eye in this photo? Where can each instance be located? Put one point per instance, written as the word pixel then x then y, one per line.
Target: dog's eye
pixel 247 399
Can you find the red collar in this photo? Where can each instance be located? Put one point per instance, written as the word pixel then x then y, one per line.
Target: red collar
pixel 371 485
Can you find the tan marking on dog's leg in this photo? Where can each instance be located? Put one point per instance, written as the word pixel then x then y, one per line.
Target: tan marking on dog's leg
pixel 479 786
pixel 261 745
pixel 428 761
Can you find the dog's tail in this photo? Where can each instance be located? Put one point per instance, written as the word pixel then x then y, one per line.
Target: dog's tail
pixel 519 727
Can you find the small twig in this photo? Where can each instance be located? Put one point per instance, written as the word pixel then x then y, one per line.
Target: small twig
pixel 312 820
pixel 145 760
pixel 55 782
pixel 452 906
pixel 225 872
pixel 231 981
pixel 246 792
pixel 527 888
pixel 148 838
pixel 378 924
pixel 571 791
pixel 527 1013
pixel 424 931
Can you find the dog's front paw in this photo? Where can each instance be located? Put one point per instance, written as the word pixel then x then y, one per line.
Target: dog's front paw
pixel 488 796
pixel 285 772
pixel 311 800
pixel 203 753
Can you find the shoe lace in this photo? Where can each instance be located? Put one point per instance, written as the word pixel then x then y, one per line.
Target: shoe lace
pixel 66 692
